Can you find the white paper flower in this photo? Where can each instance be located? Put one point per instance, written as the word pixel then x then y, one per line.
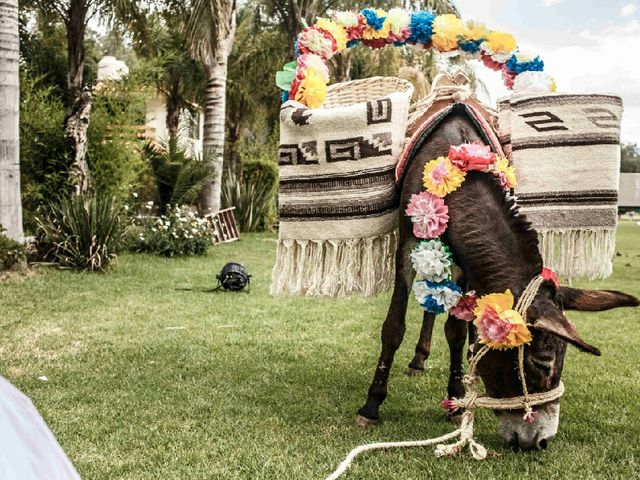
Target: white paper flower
pixel 533 83
pixel 431 260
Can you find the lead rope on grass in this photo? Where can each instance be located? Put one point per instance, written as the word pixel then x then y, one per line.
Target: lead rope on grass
pixel 471 401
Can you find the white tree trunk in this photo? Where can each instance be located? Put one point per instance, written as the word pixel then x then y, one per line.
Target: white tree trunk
pixel 10 201
pixel 214 118
pixel 213 136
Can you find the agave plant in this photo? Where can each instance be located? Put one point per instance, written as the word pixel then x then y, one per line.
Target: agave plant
pixel 253 194
pixel 82 232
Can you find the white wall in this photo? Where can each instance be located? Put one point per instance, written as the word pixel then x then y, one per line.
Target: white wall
pixel 629 194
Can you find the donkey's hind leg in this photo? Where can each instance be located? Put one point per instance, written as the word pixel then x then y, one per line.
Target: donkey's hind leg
pixel 392 334
pixel 456 332
pixel 423 347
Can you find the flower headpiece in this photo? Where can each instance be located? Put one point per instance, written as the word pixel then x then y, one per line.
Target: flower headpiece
pixel 377 28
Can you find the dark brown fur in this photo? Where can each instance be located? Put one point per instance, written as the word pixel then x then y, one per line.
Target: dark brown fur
pixel 497 249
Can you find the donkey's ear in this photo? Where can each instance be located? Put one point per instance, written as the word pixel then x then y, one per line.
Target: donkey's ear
pixel 593 300
pixel 559 326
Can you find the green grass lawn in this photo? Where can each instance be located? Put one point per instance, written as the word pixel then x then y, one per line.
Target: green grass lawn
pixel 252 387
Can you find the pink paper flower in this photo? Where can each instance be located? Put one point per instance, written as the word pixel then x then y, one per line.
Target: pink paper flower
pixel 465 307
pixel 429 215
pixel 491 63
pixel 449 406
pixel 508 77
pixel 399 37
pixel 549 274
pixel 317 41
pixel 531 417
pixel 493 329
pixel 472 156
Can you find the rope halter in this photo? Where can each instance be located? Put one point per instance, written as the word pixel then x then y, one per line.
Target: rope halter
pixel 473 400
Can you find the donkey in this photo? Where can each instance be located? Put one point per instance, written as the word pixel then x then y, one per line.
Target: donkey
pixel 496 248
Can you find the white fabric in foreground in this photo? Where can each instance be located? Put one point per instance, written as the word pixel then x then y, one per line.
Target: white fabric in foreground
pixel 28 449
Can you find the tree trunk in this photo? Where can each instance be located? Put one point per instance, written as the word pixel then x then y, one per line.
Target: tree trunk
pixel 214 118
pixel 76 126
pixel 75 24
pixel 173 117
pixel 79 103
pixel 10 201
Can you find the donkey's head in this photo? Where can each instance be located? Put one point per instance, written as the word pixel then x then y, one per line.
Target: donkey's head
pixel 543 360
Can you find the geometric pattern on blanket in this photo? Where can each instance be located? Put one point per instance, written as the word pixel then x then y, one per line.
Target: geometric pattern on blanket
pixel 338 201
pixel 566 151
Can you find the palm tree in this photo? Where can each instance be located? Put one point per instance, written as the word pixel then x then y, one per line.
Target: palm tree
pixel 10 203
pixel 252 98
pixel 210 30
pixel 176 75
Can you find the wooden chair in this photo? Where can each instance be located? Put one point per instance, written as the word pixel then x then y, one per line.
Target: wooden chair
pixel 223 226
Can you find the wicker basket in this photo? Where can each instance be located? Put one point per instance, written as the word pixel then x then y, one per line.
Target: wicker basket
pixel 357 91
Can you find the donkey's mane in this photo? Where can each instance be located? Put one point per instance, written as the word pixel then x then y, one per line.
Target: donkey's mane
pixel 487 249
pixel 529 236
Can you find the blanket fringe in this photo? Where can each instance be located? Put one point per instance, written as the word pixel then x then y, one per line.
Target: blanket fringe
pixel 579 253
pixel 334 268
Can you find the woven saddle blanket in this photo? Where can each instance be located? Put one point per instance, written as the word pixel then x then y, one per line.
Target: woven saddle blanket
pixel 337 197
pixel 566 150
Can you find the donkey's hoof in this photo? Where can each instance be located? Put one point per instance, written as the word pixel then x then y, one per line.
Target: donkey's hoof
pixel 364 422
pixel 414 372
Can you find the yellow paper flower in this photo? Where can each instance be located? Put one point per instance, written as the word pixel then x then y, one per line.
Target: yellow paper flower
pixel 499 326
pixel 312 91
pixel 372 34
pixel 442 177
pixel 475 31
pixel 336 30
pixel 500 43
pixel 506 173
pixel 446 29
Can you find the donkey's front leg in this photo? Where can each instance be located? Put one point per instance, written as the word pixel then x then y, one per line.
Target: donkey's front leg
pixel 423 347
pixel 392 334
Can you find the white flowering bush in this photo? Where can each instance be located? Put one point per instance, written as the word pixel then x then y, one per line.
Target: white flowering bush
pixel 179 232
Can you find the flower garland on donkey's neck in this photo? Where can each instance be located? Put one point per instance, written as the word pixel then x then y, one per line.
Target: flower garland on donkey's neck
pixel 499 324
pixel 305 79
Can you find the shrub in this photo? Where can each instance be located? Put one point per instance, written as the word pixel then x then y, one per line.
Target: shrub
pixel 113 151
pixel 82 232
pixel 179 179
pixel 253 194
pixel 13 254
pixel 44 159
pixel 178 232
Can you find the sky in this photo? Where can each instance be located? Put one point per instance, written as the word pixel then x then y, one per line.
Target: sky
pixel 587 46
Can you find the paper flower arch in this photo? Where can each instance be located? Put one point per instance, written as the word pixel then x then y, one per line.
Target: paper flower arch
pixel 305 79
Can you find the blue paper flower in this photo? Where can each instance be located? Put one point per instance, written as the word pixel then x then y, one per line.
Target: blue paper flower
pixel 470 46
pixel 437 297
pixel 373 20
pixel 421 27
pixel 284 96
pixel 353 43
pixel 430 304
pixel 535 65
